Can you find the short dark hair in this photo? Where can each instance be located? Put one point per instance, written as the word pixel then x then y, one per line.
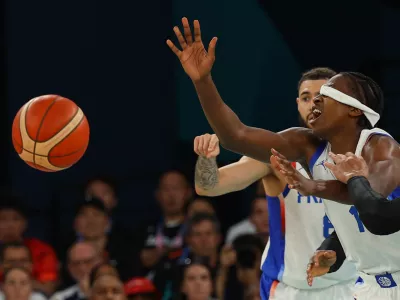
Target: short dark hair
pixel 102 178
pixel 201 217
pixel 94 273
pixel 316 74
pixel 5 246
pixel 12 202
pixel 368 92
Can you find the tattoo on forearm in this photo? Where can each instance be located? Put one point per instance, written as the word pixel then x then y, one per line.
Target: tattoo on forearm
pixel 206 173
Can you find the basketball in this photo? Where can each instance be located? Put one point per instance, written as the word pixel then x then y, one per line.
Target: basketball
pixel 50 133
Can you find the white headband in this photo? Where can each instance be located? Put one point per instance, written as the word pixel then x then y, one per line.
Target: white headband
pixel 372 116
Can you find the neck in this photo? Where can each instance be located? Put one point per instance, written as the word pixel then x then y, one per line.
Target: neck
pixel 345 141
pixel 174 218
pixel 99 243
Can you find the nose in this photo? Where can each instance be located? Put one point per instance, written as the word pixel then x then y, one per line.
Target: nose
pixel 317 99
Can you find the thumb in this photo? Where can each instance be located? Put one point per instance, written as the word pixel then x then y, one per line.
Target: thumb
pixel 213 143
pixel 212 46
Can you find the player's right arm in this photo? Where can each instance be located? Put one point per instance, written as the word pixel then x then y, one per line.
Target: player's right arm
pixel 294 143
pixel 213 181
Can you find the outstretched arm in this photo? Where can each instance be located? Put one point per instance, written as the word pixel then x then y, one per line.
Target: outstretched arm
pixel 382 156
pixel 257 143
pixel 211 181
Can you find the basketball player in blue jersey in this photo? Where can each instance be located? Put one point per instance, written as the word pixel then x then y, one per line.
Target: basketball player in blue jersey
pixel 344 113
pixel 289 248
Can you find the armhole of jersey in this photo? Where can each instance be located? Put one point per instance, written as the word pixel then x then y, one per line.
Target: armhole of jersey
pixel 316 155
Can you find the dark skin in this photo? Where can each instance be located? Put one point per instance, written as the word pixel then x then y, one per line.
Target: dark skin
pixel 337 124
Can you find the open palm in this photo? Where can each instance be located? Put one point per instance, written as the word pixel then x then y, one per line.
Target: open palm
pixel 195 60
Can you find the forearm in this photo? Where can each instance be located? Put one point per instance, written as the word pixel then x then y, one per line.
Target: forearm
pixel 366 200
pixel 221 118
pixel 333 190
pixel 206 176
pixel 333 243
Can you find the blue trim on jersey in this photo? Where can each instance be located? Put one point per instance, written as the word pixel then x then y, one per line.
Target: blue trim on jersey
pixel 286 191
pixel 395 194
pixel 316 155
pixel 265 286
pixel 274 264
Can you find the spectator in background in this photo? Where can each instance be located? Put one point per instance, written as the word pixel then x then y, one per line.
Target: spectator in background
pixel 107 287
pixel 257 222
pixel 82 258
pixel 140 288
pixel 203 240
pixel 200 205
pixel 91 225
pixel 18 285
pixel 197 283
pixel 164 239
pixel 103 189
pixel 13 223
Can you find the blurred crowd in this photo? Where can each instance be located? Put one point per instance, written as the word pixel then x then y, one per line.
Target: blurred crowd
pixel 182 254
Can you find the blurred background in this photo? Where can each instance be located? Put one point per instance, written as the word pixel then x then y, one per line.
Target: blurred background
pixel 111 59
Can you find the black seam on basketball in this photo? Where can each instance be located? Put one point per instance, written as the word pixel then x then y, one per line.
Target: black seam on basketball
pixel 83 117
pixel 40 126
pixel 51 156
pixel 77 111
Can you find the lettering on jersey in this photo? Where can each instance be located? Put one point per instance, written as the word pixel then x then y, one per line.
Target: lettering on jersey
pixel 321 163
pixel 307 199
pixel 327 226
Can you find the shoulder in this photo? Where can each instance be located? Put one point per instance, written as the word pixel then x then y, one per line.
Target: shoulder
pixel 36 245
pixel 381 147
pixel 304 138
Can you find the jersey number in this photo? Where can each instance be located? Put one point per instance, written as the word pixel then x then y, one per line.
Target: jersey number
pixel 328 225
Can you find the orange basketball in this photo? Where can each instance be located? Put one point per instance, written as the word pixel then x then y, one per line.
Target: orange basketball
pixel 50 133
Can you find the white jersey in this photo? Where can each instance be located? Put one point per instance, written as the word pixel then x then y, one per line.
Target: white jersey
pixel 372 254
pixel 298 225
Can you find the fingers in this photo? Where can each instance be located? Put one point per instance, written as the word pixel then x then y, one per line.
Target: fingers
pixel 173 48
pixel 337 158
pixel 309 272
pixel 212 46
pixel 180 37
pixel 187 32
pixel 213 143
pixel 197 31
pixel 196 145
pixel 276 153
pixel 330 166
pixel 274 163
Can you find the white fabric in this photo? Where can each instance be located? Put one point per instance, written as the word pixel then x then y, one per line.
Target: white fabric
pixel 340 291
pixel 243 227
pixel 372 116
pixel 372 254
pixel 68 293
pixel 371 290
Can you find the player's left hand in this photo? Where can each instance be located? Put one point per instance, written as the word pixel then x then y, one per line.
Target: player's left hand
pixel 294 178
pixel 347 166
pixel 320 263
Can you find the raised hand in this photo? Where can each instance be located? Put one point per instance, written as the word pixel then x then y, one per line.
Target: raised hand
pixel 294 178
pixel 207 145
pixel 347 166
pixel 320 264
pixel 195 60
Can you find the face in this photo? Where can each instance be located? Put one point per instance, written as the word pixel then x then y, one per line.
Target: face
pixel 308 90
pixel 12 225
pixel 104 192
pixel 203 239
pixel 330 115
pixel 141 297
pixel 91 223
pixel 200 206
pixel 173 193
pixel 82 259
pixel 259 215
pixel 107 287
pixel 17 285
pixel 197 284
pixel 17 257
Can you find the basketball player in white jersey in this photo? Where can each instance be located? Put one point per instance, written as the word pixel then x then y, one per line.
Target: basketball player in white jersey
pixel 290 245
pixel 348 107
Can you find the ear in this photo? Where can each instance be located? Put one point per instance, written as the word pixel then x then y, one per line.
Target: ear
pixel 297 100
pixel 355 112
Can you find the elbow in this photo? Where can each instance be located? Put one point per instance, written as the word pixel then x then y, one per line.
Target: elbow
pixel 203 192
pixel 233 141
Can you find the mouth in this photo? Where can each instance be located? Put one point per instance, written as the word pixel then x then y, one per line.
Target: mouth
pixel 314 116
